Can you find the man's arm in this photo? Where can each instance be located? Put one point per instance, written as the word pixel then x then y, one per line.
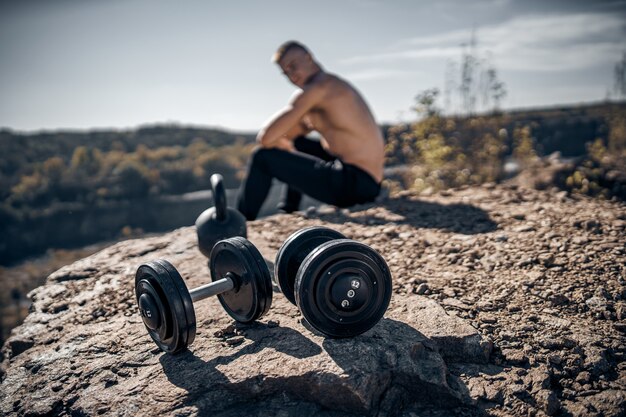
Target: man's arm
pixel 285 142
pixel 286 124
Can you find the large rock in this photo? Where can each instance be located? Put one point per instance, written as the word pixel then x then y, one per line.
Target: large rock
pixel 84 350
pixel 539 274
pixel 457 340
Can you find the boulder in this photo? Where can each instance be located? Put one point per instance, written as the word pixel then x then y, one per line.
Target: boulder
pixel 84 350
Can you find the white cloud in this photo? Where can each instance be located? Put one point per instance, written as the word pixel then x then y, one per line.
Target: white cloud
pixel 530 43
pixel 366 3
pixel 378 74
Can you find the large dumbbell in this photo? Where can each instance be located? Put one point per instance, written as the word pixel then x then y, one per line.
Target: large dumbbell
pixel 218 222
pixel 241 281
pixel 342 287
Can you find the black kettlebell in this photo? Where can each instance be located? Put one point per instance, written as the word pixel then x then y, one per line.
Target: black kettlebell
pixel 219 222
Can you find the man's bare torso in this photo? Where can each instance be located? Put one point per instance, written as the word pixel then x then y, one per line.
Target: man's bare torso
pixel 346 124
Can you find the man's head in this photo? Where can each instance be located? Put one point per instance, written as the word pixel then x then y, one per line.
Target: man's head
pixel 296 62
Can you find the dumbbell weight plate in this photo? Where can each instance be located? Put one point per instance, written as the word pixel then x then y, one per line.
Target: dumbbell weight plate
pixel 167 309
pixel 343 288
pixel 252 295
pixel 292 253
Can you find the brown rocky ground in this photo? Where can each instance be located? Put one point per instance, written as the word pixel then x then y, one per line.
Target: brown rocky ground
pixel 507 301
pixel 18 280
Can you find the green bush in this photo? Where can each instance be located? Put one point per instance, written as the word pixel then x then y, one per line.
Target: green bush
pixel 131 180
pixel 448 152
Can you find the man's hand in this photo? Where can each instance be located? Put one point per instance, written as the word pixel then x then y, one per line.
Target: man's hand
pixel 283 143
pixel 285 122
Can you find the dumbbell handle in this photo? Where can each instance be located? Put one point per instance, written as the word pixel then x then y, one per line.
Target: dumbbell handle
pixel 214 288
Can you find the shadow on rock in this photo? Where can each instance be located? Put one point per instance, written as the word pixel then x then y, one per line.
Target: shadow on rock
pixel 210 390
pixel 456 217
pixel 403 362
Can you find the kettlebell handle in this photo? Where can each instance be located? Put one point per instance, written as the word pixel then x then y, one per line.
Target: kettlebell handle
pixel 219 197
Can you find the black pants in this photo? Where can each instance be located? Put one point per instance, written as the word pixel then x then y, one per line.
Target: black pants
pixel 311 171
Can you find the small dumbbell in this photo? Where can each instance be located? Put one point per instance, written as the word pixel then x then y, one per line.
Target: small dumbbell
pixel 342 287
pixel 241 281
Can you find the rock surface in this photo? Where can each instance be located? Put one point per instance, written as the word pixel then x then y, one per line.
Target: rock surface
pixel 506 301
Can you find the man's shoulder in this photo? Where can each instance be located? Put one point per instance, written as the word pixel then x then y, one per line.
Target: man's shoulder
pixel 331 79
pixel 327 83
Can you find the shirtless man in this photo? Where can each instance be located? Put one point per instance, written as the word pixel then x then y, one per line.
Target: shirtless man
pixel 343 168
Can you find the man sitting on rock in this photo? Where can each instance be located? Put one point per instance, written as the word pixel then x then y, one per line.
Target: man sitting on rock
pixel 343 168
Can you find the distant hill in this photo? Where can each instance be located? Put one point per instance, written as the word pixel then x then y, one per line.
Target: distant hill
pixel 563 128
pixel 97 182
pixel 21 149
pixel 567 128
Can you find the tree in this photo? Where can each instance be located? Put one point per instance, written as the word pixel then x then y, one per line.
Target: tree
pixel 426 103
pixel 495 89
pixel 524 146
pixel 478 79
pixel 31 190
pixel 54 169
pixel 619 76
pixel 449 85
pixel 85 161
pixel 467 89
pixel 131 179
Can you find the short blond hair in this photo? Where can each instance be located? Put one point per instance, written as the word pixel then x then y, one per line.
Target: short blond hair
pixel 286 47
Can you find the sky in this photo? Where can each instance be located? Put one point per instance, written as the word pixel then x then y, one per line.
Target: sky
pixel 88 64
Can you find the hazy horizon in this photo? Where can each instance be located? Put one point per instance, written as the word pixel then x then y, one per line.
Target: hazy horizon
pixel 71 65
pixel 175 123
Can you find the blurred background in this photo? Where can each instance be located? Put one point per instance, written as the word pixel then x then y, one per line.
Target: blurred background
pixel 113 115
